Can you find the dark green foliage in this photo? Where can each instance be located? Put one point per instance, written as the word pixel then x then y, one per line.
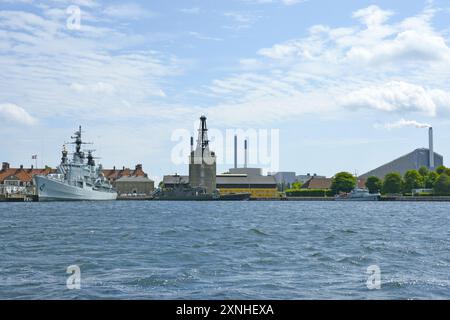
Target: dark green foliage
pixel 343 182
pixel 442 185
pixel 423 171
pixel 440 169
pixel 374 184
pixel 430 179
pixel 393 183
pixel 413 180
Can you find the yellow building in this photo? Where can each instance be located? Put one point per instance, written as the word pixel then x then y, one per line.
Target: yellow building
pixel 257 185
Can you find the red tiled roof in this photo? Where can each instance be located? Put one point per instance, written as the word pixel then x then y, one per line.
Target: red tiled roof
pixel 317 183
pixel 23 174
pixel 114 174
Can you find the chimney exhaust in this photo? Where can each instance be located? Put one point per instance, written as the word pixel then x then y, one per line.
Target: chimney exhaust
pixel 431 147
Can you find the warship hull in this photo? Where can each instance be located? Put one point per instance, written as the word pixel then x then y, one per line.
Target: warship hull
pixel 52 190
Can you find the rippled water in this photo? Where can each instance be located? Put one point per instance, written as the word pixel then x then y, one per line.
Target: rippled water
pixel 225 250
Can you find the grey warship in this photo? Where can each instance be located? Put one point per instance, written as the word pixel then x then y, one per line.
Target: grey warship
pixel 76 179
pixel 202 176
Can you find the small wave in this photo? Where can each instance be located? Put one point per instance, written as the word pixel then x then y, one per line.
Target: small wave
pixel 350 231
pixel 258 232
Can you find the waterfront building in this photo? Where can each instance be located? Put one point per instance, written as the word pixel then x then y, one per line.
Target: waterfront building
pixel 202 162
pixel 134 186
pixel 114 174
pixel 317 182
pixel 19 180
pixel 258 186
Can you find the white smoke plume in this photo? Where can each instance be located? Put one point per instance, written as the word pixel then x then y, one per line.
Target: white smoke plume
pixel 406 123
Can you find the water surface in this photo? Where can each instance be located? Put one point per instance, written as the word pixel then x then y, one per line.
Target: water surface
pixel 225 250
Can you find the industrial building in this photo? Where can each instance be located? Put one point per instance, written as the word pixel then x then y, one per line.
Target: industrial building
pixel 285 179
pixel 258 186
pixel 414 160
pixel 247 180
pixel 236 180
pixel 202 162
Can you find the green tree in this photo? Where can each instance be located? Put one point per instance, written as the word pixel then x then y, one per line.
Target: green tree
pixel 343 182
pixel 430 179
pixel 423 171
pixel 440 169
pixel 297 185
pixel 412 180
pixel 374 184
pixel 442 185
pixel 393 183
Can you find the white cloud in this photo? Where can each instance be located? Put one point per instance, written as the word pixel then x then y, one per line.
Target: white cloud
pixel 14 113
pixel 99 87
pixel 398 96
pixel 372 15
pixel 128 11
pixel 376 43
pixel 283 2
pixel 194 10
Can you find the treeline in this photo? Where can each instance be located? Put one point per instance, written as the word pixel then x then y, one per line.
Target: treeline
pixel 393 183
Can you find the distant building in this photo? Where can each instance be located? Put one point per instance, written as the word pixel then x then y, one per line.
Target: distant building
pixel 114 174
pixel 317 182
pixel 134 186
pixel 130 182
pixel 302 178
pixel 284 179
pixel 19 180
pixel 202 161
pixel 413 160
pixel 247 180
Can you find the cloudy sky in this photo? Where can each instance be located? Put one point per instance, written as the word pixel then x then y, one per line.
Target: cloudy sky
pixel 349 84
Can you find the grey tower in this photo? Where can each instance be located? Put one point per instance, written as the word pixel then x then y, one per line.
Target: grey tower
pixel 202 162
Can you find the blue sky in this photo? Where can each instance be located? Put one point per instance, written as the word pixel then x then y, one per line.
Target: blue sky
pixel 347 83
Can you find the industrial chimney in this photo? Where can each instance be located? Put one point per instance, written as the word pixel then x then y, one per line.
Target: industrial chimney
pixel 235 150
pixel 192 144
pixel 431 147
pixel 245 151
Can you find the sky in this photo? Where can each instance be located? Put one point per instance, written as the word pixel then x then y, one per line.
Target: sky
pixel 349 85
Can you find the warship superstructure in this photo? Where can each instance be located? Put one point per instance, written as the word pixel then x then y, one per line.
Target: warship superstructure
pixel 76 179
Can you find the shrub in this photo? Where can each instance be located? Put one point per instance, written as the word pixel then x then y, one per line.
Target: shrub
pixel 309 193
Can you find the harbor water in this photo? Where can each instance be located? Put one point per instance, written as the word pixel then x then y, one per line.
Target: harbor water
pixel 225 250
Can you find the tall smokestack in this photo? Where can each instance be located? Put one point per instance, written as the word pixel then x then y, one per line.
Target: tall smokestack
pixel 192 144
pixel 431 147
pixel 245 151
pixel 235 151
